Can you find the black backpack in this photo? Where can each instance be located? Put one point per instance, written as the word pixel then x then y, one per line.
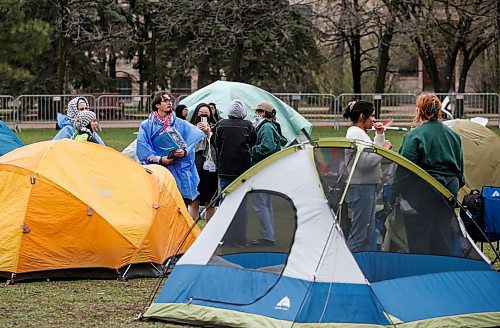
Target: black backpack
pixel 475 225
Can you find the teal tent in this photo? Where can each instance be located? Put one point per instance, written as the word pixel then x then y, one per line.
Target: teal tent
pixel 223 92
pixel 8 139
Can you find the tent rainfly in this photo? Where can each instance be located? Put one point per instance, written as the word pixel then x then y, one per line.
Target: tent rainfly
pixel 79 209
pixel 428 275
pixel 8 139
pixel 293 125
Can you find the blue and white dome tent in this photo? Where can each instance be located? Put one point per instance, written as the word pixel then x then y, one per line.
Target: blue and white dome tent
pixel 309 276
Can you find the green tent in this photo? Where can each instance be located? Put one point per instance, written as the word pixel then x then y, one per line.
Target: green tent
pixel 223 92
pixel 481 148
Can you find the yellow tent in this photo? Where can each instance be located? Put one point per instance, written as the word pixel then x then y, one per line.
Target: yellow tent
pixel 481 148
pixel 74 205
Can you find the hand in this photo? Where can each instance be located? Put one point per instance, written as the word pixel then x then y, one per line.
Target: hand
pixel 203 127
pixel 379 127
pixel 387 144
pixel 164 160
pixel 179 153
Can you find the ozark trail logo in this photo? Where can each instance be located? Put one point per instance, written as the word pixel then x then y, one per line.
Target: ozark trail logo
pixel 495 194
pixel 284 304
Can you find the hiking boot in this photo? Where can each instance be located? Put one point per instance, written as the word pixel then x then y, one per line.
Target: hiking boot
pixel 262 242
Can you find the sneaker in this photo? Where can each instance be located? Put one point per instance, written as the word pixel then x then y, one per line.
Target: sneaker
pixel 262 242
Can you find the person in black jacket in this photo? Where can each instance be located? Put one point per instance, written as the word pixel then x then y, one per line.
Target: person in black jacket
pixel 233 139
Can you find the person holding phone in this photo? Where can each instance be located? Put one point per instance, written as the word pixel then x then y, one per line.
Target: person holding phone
pixel 204 120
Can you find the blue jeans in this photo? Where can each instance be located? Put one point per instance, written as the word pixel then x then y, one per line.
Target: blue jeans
pixel 224 182
pixel 361 200
pixel 263 208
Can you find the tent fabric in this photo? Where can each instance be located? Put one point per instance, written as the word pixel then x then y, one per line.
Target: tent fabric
pixel 310 277
pixel 481 149
pixel 223 92
pixel 8 139
pixel 73 205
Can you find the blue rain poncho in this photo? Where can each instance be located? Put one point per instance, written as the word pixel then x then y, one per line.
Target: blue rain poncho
pixel 66 122
pixel 183 169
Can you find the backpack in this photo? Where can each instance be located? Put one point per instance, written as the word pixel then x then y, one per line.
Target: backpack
pixel 491 215
pixel 474 224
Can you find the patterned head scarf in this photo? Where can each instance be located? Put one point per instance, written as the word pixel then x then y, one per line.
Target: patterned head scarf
pixel 72 109
pixel 83 119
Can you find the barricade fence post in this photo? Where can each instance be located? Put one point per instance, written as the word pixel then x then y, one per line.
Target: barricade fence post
pixel 8 109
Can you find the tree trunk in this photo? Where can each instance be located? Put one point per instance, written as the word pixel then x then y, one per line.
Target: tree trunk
pixel 356 64
pixel 61 50
pixel 235 68
pixel 61 64
pixel 383 59
pixel 203 73
pixel 112 65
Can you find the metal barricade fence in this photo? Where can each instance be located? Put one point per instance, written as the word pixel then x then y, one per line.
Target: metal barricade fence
pixel 116 108
pixel 312 106
pixel 8 109
pixel 397 106
pixel 44 108
pixel 469 105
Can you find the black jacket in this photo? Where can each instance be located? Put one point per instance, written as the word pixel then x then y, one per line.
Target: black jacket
pixel 233 139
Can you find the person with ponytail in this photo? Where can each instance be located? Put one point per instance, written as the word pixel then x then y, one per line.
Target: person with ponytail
pixel 433 146
pixel 437 149
pixel 361 195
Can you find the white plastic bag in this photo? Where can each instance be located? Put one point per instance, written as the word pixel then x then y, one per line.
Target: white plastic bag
pixel 209 164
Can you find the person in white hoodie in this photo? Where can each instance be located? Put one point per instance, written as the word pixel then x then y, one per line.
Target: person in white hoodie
pixel 361 195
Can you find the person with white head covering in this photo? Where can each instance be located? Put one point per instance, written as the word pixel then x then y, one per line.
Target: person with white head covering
pixel 86 125
pixel 66 122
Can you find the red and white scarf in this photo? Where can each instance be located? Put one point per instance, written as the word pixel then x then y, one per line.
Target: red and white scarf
pixel 164 120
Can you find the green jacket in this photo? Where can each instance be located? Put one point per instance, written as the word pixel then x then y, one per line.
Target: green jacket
pixel 269 141
pixel 435 148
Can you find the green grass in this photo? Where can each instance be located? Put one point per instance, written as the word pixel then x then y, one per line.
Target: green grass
pixel 104 303
pixel 79 303
pixel 117 138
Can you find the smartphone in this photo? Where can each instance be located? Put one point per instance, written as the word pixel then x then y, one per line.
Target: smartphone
pixel 204 120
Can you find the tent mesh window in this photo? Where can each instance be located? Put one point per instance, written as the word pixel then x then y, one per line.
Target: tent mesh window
pixel 389 208
pixel 260 235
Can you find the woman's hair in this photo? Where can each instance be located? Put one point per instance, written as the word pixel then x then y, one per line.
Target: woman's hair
pixel 428 108
pixel 194 119
pixel 216 112
pixel 157 97
pixel 355 108
pixel 178 111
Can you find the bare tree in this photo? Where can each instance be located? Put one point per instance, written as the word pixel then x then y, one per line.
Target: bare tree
pixel 441 30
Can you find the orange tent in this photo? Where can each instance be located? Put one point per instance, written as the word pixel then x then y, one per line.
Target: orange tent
pixel 73 205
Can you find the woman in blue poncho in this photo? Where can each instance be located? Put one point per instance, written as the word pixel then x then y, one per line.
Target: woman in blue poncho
pixel 154 146
pixel 66 122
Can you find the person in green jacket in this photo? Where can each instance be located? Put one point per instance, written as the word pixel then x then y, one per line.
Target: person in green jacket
pixel 269 141
pixel 269 137
pixel 438 150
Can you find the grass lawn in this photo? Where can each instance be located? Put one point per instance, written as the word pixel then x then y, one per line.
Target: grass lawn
pixel 119 138
pixel 103 303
